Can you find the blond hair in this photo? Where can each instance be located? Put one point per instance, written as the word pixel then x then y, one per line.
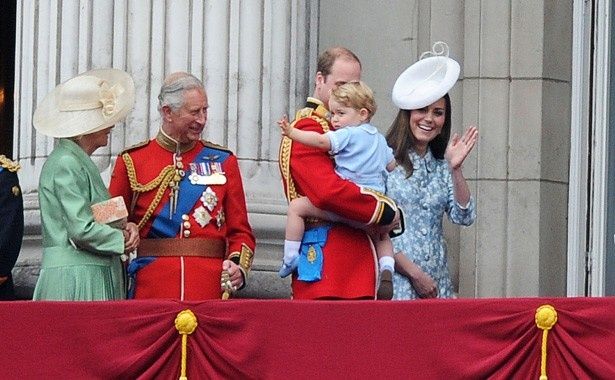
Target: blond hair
pixel 356 95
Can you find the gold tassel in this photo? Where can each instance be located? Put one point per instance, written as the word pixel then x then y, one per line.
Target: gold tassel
pixel 546 318
pixel 185 323
pixel 226 284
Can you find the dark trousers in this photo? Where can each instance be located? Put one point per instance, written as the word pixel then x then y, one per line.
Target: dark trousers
pixel 7 292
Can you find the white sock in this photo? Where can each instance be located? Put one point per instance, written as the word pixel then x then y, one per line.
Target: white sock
pixel 387 263
pixel 291 250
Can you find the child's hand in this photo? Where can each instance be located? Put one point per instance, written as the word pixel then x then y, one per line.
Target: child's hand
pixel 285 126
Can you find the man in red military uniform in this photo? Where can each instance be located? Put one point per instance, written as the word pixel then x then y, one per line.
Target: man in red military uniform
pixel 187 198
pixel 336 261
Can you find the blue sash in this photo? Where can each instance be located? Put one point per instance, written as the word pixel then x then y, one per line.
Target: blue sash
pixel 165 227
pixel 311 256
pixel 189 194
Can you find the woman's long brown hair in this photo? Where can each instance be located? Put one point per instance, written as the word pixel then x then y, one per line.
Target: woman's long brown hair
pixel 401 140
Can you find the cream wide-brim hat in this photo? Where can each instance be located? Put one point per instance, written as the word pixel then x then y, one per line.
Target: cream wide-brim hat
pixel 427 80
pixel 90 102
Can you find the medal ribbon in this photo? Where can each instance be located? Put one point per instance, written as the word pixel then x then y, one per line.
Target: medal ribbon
pixel 189 195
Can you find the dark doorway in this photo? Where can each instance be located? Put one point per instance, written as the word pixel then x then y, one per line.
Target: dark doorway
pixel 8 15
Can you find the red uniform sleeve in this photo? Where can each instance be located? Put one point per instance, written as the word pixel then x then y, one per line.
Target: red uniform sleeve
pixel 120 185
pixel 313 173
pixel 238 227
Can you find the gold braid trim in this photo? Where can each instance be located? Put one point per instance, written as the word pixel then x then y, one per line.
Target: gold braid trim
pixel 6 163
pixel 284 159
pixel 285 150
pixel 244 260
pixel 382 200
pixel 161 182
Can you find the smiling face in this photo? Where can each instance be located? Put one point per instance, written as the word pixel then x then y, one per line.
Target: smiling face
pixel 426 124
pixel 187 123
pixel 344 116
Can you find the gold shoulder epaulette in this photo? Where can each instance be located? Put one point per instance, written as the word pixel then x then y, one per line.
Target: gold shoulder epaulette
pixel 314 114
pixel 209 144
pixel 133 147
pixel 304 112
pixel 319 114
pixel 10 165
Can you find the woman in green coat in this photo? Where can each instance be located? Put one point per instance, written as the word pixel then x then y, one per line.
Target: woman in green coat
pixel 81 257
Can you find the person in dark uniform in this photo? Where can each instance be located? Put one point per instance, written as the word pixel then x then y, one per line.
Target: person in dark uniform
pixel 11 225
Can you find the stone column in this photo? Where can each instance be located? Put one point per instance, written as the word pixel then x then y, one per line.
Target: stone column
pixel 517 86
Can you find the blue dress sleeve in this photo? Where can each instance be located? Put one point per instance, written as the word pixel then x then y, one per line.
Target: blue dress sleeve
pixel 458 214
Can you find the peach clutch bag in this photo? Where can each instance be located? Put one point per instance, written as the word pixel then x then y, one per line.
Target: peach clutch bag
pixel 112 212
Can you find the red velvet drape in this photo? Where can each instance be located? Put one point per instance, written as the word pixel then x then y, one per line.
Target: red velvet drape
pixel 271 339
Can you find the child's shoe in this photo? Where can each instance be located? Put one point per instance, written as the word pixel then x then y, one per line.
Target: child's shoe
pixel 385 290
pixel 287 269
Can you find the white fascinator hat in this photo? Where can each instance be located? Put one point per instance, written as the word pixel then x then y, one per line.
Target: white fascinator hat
pixel 427 80
pixel 87 103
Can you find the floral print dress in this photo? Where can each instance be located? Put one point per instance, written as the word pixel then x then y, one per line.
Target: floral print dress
pixel 424 197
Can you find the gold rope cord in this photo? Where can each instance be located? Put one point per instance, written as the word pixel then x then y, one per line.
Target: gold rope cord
pixel 161 182
pixel 546 318
pixel 285 150
pixel 12 166
pixel 185 323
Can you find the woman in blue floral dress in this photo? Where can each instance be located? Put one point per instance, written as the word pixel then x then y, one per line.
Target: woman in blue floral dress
pixel 427 183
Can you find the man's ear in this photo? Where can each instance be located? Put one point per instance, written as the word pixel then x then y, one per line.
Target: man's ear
pixel 319 78
pixel 166 112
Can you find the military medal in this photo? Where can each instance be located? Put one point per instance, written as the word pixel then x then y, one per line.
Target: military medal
pixel 201 216
pixel 215 179
pixel 194 174
pixel 206 173
pixel 209 199
pixel 220 219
